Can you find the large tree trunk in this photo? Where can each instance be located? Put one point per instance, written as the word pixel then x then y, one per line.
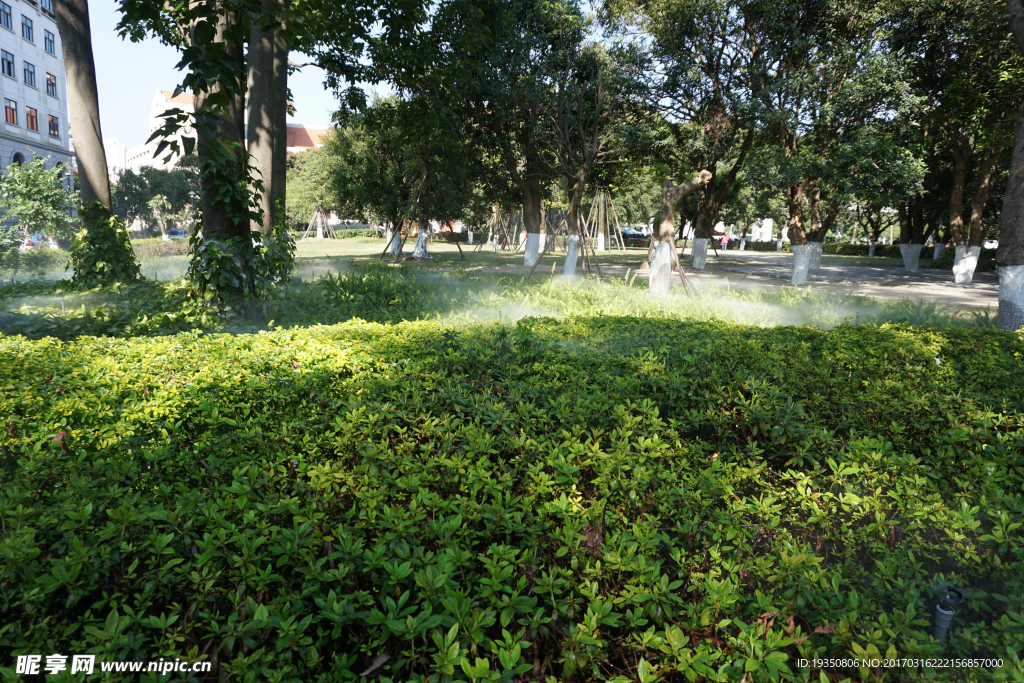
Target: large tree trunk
pixel 1010 256
pixel 986 176
pixel 268 95
pixel 532 221
pixel 420 251
pixel 225 214
pixel 911 216
pixel 573 221
pixel 820 226
pixel 708 209
pixel 709 206
pixel 663 244
pixel 279 174
pixel 956 198
pixel 83 106
pixel 797 236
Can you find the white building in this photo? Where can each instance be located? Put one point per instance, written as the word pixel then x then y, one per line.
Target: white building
pixel 33 85
pixel 143 155
pixel 299 137
pixel 117 156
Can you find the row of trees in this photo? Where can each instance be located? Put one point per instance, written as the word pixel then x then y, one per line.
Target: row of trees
pixel 868 103
pixel 816 109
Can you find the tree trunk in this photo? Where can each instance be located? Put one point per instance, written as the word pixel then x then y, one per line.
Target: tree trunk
pixel 1010 256
pixel 531 221
pixel 956 199
pixel 708 208
pixel 83 105
pixel 420 251
pixel 267 94
pixel 279 174
pixel 986 176
pixel 573 222
pixel 795 204
pixel 663 243
pixel 224 205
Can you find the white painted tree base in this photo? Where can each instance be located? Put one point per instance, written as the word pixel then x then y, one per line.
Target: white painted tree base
pixel 1011 297
pixel 601 246
pixel 532 251
pixel 661 267
pixel 939 250
pixel 421 245
pixel 801 260
pixel 778 245
pixel 396 245
pixel 871 248
pixel 699 250
pixel 470 239
pixel 911 254
pixel 814 250
pixel 964 263
pixel 569 269
pixel 743 244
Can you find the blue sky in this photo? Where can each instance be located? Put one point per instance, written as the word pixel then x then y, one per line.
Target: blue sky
pixel 128 75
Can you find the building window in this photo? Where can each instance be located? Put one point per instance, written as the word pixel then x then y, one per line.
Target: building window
pixel 26 29
pixel 30 74
pixel 31 119
pixel 11 111
pixel 48 42
pixel 51 85
pixel 7 63
pixel 5 16
pixel 54 127
pixel 48 6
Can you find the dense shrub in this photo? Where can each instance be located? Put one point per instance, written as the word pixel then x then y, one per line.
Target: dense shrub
pixel 159 247
pixel 766 246
pixel 357 232
pixel 101 253
pixel 598 498
pixel 33 261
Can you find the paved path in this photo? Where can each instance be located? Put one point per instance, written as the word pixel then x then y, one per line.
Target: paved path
pixel 883 282
pixel 762 269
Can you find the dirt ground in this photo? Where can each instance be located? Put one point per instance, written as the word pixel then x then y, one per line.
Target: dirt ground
pixel 880 278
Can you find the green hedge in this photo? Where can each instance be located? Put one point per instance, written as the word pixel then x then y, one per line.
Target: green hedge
pixel 766 246
pixel 593 499
pixel 159 247
pixel 39 261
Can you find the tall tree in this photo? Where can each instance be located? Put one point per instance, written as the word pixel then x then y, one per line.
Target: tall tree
pixel 707 67
pixel 510 95
pixel 1010 256
pixel 591 90
pixel 834 80
pixel 966 72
